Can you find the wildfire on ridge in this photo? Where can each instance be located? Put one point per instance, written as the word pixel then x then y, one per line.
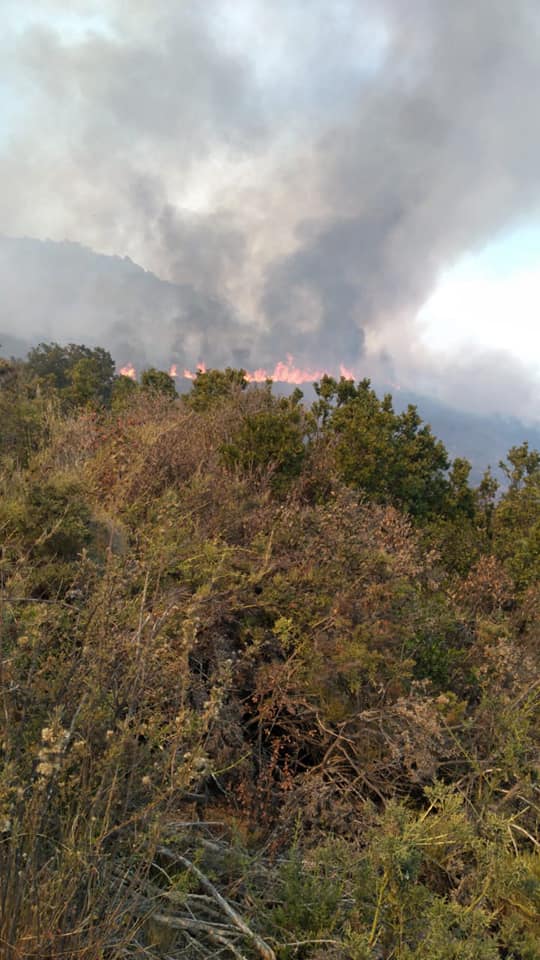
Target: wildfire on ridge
pixel 283 372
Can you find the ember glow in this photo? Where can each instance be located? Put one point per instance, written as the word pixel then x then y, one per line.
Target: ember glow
pixel 283 372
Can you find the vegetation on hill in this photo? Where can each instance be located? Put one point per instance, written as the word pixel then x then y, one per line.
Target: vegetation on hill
pixel 268 673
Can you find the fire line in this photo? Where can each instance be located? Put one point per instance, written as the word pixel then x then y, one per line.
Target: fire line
pixel 283 372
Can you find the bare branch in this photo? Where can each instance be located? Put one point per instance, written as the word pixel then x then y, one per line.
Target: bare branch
pixel 260 945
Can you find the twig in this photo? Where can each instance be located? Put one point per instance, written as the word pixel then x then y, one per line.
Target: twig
pixel 216 932
pixel 306 943
pixel 186 923
pixel 62 603
pixel 217 938
pixel 177 824
pixel 516 826
pixel 260 945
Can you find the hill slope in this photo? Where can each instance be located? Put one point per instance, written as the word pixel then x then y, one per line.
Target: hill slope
pixel 248 702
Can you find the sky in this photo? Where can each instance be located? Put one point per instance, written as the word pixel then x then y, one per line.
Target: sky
pixel 490 298
pixel 352 182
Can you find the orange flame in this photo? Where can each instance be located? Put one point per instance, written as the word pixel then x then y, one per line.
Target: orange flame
pixel 346 372
pixel 283 372
pixel 188 375
pixel 128 371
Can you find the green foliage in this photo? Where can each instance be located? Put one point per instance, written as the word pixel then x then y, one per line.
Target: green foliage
pixel 308 897
pixel 282 656
pixel 47 526
pixel 271 441
pixel 439 643
pixel 158 381
pixel 516 520
pixel 23 414
pixel 57 510
pixel 393 457
pixel 123 393
pixel 214 386
pixel 80 374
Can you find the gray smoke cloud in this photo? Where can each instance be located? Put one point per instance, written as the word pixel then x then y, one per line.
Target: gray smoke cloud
pixel 296 175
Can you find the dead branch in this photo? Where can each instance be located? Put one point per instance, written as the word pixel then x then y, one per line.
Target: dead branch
pixel 260 945
pixel 216 932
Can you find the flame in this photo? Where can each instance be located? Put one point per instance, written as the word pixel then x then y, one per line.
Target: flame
pixel 128 371
pixel 188 375
pixel 283 372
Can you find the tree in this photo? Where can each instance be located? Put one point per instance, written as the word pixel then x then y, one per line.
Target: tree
pixel 124 388
pixel 393 457
pixel 23 413
pixel 211 386
pixel 158 381
pixel 522 467
pixel 80 374
pixel 459 529
pixel 272 439
pixel 516 518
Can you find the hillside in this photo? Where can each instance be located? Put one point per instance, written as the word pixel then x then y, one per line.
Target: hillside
pixel 67 292
pixel 269 675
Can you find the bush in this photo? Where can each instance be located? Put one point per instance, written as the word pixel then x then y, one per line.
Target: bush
pixel 248 703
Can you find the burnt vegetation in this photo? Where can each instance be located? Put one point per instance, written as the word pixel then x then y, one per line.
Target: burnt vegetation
pixel 268 675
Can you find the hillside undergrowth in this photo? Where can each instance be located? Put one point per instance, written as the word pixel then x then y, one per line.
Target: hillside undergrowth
pixel 269 678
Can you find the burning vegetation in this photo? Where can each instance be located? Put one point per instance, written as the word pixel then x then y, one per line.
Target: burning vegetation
pixel 269 674
pixel 283 372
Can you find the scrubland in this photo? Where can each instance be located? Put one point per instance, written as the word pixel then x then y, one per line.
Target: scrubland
pixel 269 676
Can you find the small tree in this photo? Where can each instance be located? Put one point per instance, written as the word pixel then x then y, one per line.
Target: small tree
pixel 124 388
pixel 23 413
pixel 272 439
pixel 393 457
pixel 211 386
pixel 80 374
pixel 158 381
pixel 516 518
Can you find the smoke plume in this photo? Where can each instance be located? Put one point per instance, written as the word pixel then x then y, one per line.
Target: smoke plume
pixel 292 177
